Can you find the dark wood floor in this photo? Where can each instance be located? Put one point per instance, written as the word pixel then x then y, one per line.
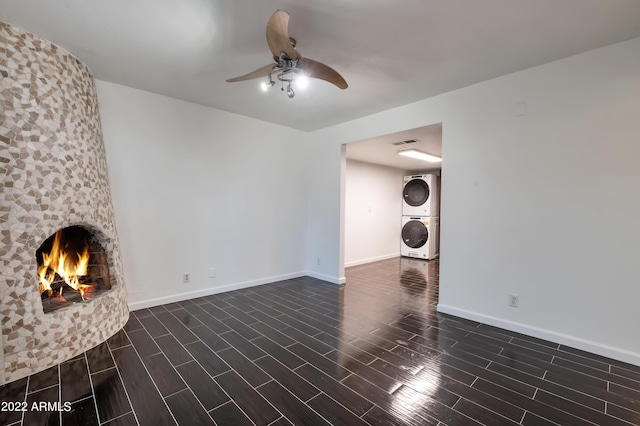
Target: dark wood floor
pixel 305 352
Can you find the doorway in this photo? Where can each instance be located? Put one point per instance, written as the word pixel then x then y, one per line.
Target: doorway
pixel 373 186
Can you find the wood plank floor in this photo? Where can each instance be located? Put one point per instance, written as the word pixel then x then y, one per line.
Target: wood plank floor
pixel 305 352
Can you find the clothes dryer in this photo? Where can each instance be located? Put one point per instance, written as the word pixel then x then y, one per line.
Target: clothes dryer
pixel 420 195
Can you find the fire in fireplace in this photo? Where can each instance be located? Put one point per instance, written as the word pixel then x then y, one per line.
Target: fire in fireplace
pixel 72 268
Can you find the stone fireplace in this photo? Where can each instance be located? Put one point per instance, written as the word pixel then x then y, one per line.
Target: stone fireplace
pixel 54 185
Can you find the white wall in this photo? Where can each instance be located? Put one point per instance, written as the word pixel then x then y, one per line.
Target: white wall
pixel 543 205
pixel 325 219
pixel 373 211
pixel 195 188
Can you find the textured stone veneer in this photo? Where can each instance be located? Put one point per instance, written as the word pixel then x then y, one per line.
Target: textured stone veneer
pixel 54 175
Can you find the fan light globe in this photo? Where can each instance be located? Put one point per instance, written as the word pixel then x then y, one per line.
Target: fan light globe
pixel 302 82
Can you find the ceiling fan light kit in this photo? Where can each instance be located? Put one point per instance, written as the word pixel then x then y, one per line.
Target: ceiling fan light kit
pixel 290 66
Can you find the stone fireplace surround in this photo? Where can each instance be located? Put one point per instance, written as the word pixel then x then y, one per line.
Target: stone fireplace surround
pixel 54 175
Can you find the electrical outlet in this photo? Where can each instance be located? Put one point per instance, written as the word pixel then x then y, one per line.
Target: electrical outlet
pixel 514 300
pixel 212 272
pixel 318 261
pixel 186 277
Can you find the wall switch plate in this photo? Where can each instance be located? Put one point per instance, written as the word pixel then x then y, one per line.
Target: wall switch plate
pixel 514 300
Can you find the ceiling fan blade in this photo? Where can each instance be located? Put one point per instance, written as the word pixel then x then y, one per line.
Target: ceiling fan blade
pixel 319 70
pixel 260 72
pixel 278 35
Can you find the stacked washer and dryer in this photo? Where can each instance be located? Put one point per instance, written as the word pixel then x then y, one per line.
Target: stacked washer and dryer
pixel 420 217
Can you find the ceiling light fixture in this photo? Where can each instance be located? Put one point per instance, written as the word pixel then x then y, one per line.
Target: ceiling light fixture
pixel 287 71
pixel 419 155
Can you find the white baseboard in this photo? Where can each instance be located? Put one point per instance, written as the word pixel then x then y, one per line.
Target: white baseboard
pixel 323 277
pixel 563 339
pixel 371 259
pixel 133 306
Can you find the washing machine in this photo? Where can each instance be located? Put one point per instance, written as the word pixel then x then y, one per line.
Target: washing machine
pixel 420 195
pixel 419 237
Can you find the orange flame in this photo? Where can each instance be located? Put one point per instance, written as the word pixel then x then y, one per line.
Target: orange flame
pixel 69 266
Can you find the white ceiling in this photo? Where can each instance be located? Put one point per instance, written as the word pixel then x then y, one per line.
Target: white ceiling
pixel 390 52
pixel 381 150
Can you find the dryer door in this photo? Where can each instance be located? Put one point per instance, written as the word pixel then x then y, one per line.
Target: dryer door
pixel 415 234
pixel 416 192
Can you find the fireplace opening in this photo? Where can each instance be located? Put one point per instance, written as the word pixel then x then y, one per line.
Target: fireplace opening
pixel 72 268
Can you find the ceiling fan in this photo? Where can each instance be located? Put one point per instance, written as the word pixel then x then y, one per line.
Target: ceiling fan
pixel 289 65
